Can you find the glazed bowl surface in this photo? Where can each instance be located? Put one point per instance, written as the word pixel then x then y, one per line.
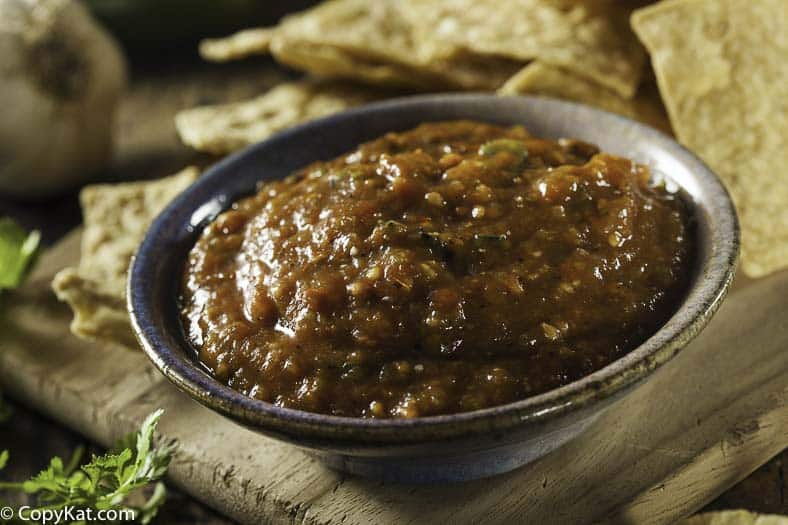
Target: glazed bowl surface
pixel 448 447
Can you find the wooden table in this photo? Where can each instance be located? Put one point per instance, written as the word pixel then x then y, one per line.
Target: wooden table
pixel 148 147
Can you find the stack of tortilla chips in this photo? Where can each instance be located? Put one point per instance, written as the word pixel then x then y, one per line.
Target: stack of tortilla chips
pixel 356 51
pixel 718 80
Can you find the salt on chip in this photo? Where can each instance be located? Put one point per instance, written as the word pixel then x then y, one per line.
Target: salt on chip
pixel 721 68
pixel 591 38
pixel 373 42
pixel 116 217
pixel 224 128
pixel 541 79
pixel 249 42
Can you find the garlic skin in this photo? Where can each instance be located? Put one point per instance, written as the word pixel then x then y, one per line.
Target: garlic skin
pixel 61 77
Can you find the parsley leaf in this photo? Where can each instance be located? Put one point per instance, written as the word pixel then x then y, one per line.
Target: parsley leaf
pixel 106 481
pixel 17 250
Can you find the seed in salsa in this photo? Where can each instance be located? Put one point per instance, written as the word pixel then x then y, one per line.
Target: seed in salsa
pixel 452 267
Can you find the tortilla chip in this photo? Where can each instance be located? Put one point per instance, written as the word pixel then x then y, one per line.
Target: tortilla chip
pixel 591 39
pixel 242 44
pixel 224 128
pixel 735 517
pixel 116 217
pixel 98 314
pixel 370 30
pixel 721 68
pixel 334 63
pixel 372 42
pixel 541 79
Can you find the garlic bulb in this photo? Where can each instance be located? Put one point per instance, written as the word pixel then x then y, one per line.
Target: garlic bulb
pixel 61 76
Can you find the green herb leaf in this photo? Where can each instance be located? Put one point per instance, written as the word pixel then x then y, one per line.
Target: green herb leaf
pixel 151 507
pixel 106 481
pixel 489 240
pixel 17 250
pixel 492 147
pixel 490 237
pixel 353 172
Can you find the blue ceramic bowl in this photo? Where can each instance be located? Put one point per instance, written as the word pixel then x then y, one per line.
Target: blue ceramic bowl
pixel 449 447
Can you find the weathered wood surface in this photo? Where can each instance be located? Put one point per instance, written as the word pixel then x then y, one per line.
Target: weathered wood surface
pixel 702 423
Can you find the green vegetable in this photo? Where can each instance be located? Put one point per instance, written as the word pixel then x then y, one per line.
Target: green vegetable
pixel 106 481
pixel 17 250
pixel 354 172
pixel 488 149
pixel 491 237
pixel 484 241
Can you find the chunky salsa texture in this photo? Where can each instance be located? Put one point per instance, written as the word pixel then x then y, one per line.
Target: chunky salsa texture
pixel 451 267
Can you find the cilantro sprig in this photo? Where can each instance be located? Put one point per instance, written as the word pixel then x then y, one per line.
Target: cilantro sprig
pixel 107 481
pixel 17 250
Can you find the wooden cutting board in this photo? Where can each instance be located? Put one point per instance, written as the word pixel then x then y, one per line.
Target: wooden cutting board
pixel 702 423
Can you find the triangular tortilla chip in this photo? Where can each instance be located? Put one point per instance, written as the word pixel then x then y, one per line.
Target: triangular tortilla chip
pixel 722 70
pixel 224 128
pixel 116 217
pixel 242 44
pixel 373 42
pixel 540 79
pixel 591 39
pixel 735 517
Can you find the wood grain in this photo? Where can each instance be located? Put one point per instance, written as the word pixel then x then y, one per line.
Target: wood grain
pixel 702 423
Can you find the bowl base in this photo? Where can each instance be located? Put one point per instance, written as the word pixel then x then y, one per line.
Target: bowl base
pixel 453 468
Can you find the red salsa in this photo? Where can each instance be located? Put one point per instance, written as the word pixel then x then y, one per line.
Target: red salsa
pixel 452 267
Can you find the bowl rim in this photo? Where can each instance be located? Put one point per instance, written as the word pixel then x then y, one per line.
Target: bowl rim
pixel 706 292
